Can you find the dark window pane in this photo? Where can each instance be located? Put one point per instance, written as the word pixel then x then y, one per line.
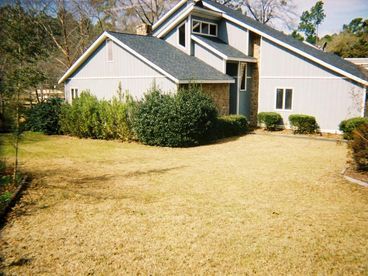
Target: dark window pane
pixel 182 35
pixel 288 98
pixel 205 28
pixel 196 27
pixel 243 76
pixel 279 98
pixel 213 30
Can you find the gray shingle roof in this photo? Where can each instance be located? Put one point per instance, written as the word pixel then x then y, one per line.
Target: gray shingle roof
pixel 329 58
pixel 222 47
pixel 173 61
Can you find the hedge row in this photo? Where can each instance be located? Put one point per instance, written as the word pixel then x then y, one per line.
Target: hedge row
pixel 300 123
pixel 186 118
pixel 348 126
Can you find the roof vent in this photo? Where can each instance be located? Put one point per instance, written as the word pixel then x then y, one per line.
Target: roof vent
pixel 143 29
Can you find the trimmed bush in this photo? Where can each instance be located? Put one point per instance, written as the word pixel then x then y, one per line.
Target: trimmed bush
pixel 44 117
pixel 360 146
pixel 303 124
pixel 271 120
pixel 228 126
pixel 88 117
pixel 348 126
pixel 174 120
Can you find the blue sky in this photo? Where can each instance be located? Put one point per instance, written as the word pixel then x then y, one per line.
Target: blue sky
pixel 338 12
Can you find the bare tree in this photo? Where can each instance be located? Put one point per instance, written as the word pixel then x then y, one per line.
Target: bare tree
pixel 266 11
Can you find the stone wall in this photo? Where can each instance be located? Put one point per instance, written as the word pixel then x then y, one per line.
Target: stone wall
pixel 255 41
pixel 220 93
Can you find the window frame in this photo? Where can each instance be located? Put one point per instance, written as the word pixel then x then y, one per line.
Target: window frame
pixel 109 43
pixel 200 27
pixel 284 98
pixel 185 35
pixel 72 91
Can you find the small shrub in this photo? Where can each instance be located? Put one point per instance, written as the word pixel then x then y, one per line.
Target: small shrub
pixel 348 126
pixel 174 120
pixel 360 146
pixel 87 117
pixel 271 120
pixel 303 124
pixel 44 117
pixel 228 126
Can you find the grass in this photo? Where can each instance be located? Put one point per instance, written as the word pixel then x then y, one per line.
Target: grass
pixel 256 204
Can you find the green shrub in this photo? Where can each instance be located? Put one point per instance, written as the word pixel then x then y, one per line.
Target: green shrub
pixel 88 117
pixel 174 120
pixel 348 126
pixel 360 146
pixel 228 126
pixel 303 124
pixel 44 117
pixel 271 120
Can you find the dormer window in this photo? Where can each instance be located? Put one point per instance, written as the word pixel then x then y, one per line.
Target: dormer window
pixel 204 28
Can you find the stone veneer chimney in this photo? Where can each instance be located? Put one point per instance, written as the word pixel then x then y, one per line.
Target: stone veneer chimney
pixel 144 29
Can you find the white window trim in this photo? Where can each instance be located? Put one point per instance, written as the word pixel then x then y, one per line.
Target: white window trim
pixel 108 41
pixel 283 99
pixel 200 27
pixel 185 31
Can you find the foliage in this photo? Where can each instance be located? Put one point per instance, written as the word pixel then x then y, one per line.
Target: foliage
pixel 310 20
pixel 44 117
pixel 265 11
pixel 5 197
pixel 295 34
pixel 303 123
pixel 348 126
pixel 360 146
pixel 271 120
pixel 351 42
pixel 87 117
pixel 174 120
pixel 228 126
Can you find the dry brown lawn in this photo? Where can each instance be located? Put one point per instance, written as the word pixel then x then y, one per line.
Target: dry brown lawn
pixel 256 204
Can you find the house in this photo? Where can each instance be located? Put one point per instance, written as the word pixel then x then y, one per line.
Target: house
pixel 245 66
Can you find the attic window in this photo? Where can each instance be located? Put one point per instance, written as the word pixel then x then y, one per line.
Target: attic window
pixel 109 50
pixel 182 35
pixel 204 28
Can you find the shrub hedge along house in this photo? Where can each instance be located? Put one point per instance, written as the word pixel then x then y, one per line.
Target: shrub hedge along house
pixel 245 66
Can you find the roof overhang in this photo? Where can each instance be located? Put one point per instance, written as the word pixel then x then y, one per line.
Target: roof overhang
pixel 97 43
pixel 287 46
pixel 220 54
pixel 105 36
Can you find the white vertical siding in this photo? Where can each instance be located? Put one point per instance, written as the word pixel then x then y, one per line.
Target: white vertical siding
pixel 173 37
pixel 209 58
pixel 102 77
pixel 316 90
pixel 234 35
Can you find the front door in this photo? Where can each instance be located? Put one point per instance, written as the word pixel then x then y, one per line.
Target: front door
pixel 232 70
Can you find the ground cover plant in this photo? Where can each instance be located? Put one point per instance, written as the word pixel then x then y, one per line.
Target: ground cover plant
pixel 105 207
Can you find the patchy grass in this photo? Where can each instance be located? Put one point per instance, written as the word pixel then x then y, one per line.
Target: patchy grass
pixel 257 204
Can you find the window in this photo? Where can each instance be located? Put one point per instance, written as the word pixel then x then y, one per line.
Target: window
pixel 74 93
pixel 284 98
pixel 109 50
pixel 182 35
pixel 243 76
pixel 204 28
